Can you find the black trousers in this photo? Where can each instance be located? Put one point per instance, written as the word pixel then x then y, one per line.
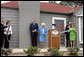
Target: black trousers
pixel 34 40
pixel 7 39
pixel 2 40
pixel 67 40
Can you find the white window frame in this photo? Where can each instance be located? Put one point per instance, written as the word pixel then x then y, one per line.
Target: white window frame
pixel 80 39
pixel 59 18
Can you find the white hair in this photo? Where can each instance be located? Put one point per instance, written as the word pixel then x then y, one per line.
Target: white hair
pixel 43 24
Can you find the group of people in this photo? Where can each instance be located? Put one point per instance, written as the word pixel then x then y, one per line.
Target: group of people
pixel 6 32
pixel 34 30
pixel 70 35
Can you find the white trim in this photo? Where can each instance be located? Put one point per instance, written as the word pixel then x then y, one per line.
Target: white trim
pixel 79 15
pixel 59 18
pixel 80 40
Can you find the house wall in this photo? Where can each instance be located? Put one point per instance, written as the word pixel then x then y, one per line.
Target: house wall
pixel 79 12
pixel 27 11
pixel 47 19
pixel 75 21
pixel 13 16
pixel 21 27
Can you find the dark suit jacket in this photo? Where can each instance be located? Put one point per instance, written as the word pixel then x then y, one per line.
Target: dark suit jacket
pixel 2 29
pixel 67 29
pixel 32 27
pixel 67 33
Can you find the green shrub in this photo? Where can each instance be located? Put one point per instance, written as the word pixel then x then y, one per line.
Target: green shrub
pixel 54 52
pixel 73 51
pixel 31 51
pixel 5 51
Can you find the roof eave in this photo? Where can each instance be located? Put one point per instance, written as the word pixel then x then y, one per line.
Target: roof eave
pixel 54 12
pixel 8 7
pixel 43 11
pixel 77 9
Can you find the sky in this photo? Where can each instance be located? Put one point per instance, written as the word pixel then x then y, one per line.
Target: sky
pixel 4 1
pixel 40 1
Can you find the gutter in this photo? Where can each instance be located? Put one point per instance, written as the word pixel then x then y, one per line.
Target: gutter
pixel 8 7
pixel 42 11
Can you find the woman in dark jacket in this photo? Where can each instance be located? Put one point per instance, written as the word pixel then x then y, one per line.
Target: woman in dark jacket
pixel 2 32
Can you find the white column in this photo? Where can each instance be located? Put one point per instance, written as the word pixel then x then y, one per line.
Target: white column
pixel 27 11
pixel 79 29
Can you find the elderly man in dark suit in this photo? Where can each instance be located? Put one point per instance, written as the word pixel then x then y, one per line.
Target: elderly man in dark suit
pixel 2 32
pixel 33 32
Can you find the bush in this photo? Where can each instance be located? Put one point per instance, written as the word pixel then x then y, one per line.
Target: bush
pixel 73 51
pixel 54 52
pixel 5 51
pixel 31 51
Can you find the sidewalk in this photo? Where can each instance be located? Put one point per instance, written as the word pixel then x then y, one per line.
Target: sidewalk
pixel 20 52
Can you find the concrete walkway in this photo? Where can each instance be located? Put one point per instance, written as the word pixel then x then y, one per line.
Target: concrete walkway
pixel 20 52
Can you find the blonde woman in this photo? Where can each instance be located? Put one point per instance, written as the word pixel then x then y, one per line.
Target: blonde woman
pixel 8 33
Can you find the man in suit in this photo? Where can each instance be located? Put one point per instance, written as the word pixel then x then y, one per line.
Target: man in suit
pixel 67 34
pixel 2 32
pixel 33 32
